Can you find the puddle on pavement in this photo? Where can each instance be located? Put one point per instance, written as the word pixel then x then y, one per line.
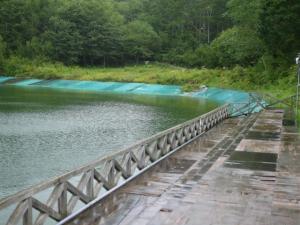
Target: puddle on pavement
pixel 263 135
pixel 290 137
pixel 290 129
pixel 252 161
pixel 289 118
pixel 288 122
pixel 175 165
pixel 269 127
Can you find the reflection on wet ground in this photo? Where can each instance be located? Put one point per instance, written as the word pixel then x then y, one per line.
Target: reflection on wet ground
pixel 229 176
pixel 252 161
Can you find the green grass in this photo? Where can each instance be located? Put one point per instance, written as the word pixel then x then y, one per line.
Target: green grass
pixel 248 79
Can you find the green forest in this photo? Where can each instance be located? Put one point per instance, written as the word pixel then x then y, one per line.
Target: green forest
pixel 253 43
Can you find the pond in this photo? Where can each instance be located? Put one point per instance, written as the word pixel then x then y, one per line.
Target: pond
pixel 46 132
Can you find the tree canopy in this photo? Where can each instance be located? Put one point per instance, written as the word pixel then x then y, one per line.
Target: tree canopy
pixel 210 33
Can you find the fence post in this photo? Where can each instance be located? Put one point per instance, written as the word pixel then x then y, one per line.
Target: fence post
pixel 63 201
pixel 27 218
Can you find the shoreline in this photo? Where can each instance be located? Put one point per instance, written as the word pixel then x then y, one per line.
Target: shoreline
pixel 190 79
pixel 212 93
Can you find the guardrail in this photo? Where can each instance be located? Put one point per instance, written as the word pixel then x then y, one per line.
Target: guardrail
pixel 255 103
pixel 260 101
pixel 58 198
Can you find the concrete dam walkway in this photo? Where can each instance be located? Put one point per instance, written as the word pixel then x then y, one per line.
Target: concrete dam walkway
pixel 244 171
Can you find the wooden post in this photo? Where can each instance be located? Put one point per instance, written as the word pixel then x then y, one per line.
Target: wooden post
pixel 27 217
pixel 90 185
pixel 63 202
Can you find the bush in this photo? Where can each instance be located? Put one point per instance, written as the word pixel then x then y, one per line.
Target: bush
pixel 15 65
pixel 206 56
pixel 24 67
pixel 173 56
pixel 190 59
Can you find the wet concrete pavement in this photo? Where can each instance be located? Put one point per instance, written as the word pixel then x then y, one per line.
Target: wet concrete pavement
pixel 245 171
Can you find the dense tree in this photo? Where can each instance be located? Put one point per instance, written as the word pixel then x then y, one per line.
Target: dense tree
pixel 66 40
pixel 245 13
pixel 141 41
pixel 22 20
pixel 238 46
pixel 17 23
pixel 2 51
pixel 130 9
pixel 241 44
pixel 186 24
pixel 280 27
pixel 211 33
pixel 85 32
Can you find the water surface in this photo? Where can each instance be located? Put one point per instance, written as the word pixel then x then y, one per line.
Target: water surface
pixel 44 132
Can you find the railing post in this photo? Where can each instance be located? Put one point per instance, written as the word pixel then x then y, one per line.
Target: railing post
pixel 90 185
pixel 227 111
pixel 63 202
pixel 200 126
pixel 27 217
pixel 111 174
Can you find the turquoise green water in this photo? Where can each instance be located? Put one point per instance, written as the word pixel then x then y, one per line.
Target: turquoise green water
pixel 222 96
pixel 45 132
pixel 214 94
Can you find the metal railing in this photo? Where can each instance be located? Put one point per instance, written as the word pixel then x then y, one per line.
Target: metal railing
pixel 60 196
pixel 259 101
pixel 254 104
pixel 289 102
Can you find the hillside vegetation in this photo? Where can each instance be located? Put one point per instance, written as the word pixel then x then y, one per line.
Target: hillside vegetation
pixel 225 43
pixel 158 73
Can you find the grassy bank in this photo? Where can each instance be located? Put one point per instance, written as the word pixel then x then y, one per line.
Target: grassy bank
pixel 248 79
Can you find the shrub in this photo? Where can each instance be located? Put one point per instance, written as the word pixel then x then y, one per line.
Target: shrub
pixel 206 56
pixel 16 66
